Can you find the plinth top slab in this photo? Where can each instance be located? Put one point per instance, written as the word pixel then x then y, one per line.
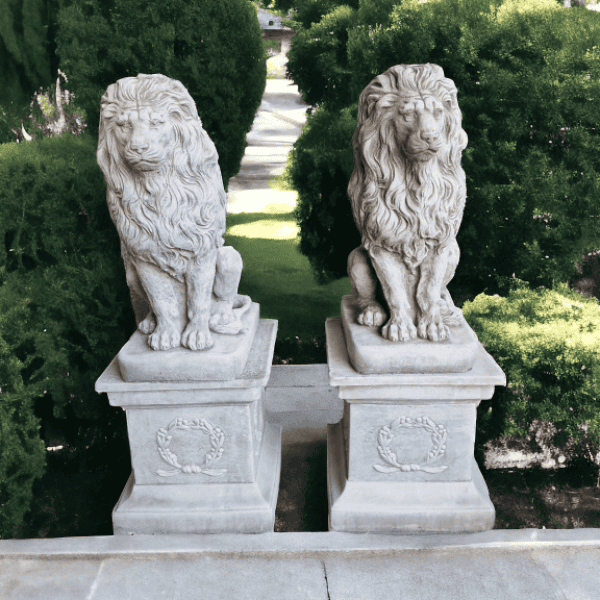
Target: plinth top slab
pixel 225 361
pixel 255 374
pixel 371 354
pixel 476 384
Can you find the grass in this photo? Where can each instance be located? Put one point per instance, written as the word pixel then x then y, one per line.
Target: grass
pixel 278 277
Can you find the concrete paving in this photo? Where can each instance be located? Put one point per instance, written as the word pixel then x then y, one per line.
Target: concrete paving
pixel 494 565
pixel 276 127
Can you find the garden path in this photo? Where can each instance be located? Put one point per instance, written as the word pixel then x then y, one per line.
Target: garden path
pixel 277 125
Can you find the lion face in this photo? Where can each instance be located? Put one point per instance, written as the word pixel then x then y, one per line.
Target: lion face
pixel 145 138
pixel 420 127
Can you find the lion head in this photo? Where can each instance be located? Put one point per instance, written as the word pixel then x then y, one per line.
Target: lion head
pixel 164 186
pixel 408 189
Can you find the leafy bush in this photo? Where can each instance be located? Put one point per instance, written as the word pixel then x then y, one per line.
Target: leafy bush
pixel 214 47
pixel 320 168
pixel 527 76
pixel 546 341
pixel 303 13
pixel 61 253
pixel 26 50
pixel 318 59
pixel 22 453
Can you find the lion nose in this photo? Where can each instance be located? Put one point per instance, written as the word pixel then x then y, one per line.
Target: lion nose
pixel 430 135
pixel 139 145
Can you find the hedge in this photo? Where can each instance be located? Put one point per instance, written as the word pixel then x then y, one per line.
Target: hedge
pixel 528 78
pixel 62 251
pixel 214 47
pixel 547 342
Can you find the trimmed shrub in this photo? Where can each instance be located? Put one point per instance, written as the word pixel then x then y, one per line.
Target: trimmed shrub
pixel 22 452
pixel 214 47
pixel 61 252
pixel 528 77
pixel 546 341
pixel 318 59
pixel 26 52
pixel 320 167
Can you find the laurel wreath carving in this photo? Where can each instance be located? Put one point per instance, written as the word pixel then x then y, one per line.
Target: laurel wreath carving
pixel 386 435
pixel 217 437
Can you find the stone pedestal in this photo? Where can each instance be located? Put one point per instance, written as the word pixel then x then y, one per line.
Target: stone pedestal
pixel 401 460
pixel 204 458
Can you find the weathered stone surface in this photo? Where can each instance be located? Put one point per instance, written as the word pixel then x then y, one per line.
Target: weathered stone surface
pixel 447 575
pixel 410 432
pixel 224 361
pixel 408 194
pixel 476 384
pixel 166 197
pixel 205 504
pixel 204 458
pixel 402 504
pixel 212 578
pixel 370 353
pixel 401 458
pixel 40 579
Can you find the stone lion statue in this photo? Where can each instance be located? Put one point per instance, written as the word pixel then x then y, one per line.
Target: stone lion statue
pixel 408 193
pixel 165 195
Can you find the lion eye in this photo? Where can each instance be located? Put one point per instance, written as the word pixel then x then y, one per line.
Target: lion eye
pixel 408 116
pixel 438 113
pixel 123 124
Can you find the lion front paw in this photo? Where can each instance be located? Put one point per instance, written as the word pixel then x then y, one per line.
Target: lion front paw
pixel 372 315
pixel 399 330
pixel 196 338
pixel 431 327
pixel 148 325
pixel 164 338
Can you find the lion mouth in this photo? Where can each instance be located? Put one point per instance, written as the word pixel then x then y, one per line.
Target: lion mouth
pixel 423 154
pixel 142 164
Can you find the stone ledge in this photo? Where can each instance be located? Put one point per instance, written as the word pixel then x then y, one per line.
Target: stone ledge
pixel 293 543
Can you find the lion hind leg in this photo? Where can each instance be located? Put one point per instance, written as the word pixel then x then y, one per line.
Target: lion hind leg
pixel 364 284
pixel 223 318
pixel 451 314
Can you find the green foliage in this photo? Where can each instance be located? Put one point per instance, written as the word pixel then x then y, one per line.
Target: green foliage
pixel 214 47
pixel 22 453
pixel 321 165
pixel 25 49
pixel 318 59
pixel 528 76
pixel 546 341
pixel 61 250
pixel 303 13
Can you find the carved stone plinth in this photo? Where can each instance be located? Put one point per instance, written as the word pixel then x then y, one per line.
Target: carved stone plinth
pixel 401 460
pixel 204 458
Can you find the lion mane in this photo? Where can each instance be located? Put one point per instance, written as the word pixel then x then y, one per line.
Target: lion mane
pixel 171 216
pixel 405 205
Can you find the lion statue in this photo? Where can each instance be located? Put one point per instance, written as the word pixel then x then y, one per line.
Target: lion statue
pixel 166 198
pixel 408 193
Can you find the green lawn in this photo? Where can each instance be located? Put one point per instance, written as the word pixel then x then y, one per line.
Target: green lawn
pixel 278 277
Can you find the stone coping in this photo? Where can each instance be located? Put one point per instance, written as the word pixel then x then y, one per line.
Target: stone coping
pixel 289 544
